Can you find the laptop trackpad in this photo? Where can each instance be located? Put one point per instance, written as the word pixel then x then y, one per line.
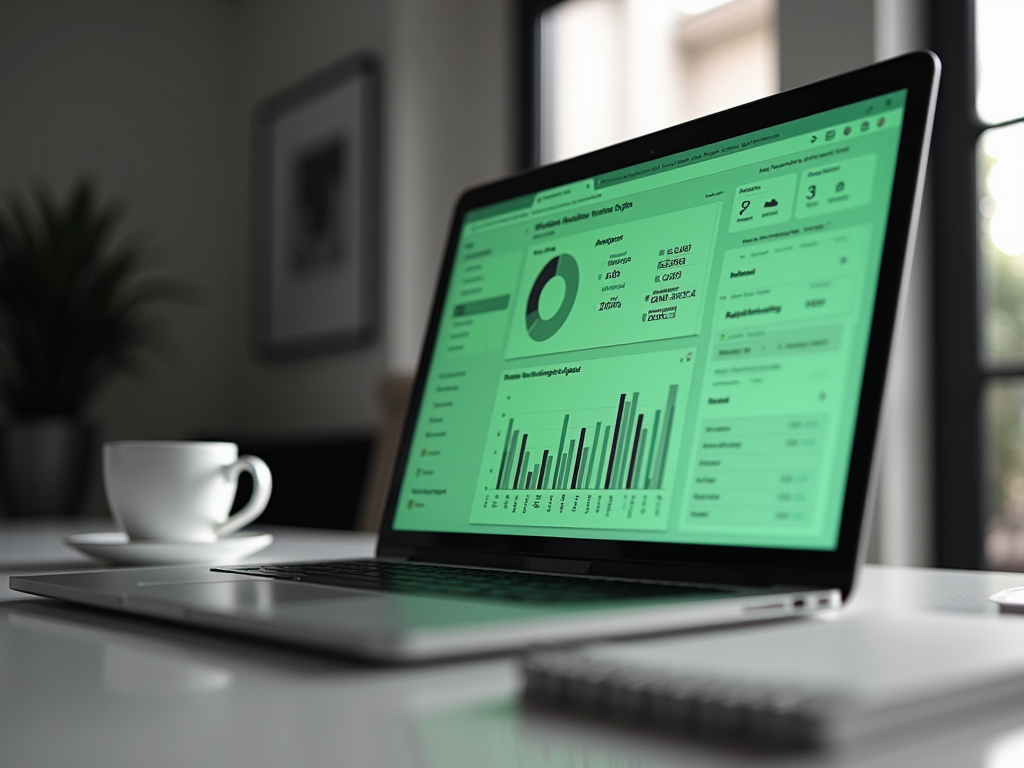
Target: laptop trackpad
pixel 245 595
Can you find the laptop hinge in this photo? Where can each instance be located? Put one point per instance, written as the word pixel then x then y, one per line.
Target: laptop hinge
pixel 551 565
pixel 494 560
pixel 396 553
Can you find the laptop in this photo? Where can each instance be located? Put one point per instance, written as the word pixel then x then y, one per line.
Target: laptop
pixel 648 398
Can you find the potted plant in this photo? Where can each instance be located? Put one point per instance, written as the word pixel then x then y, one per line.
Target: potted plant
pixel 73 313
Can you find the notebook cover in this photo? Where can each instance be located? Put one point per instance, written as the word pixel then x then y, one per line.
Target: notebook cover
pixel 814 682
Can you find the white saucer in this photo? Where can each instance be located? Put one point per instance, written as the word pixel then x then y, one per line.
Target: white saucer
pixel 115 547
pixel 1009 600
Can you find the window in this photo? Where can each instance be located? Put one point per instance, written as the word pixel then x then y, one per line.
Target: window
pixel 1000 167
pixel 979 287
pixel 608 70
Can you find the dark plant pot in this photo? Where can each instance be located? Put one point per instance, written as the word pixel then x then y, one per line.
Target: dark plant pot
pixel 44 463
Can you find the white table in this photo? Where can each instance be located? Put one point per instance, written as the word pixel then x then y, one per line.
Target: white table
pixel 86 688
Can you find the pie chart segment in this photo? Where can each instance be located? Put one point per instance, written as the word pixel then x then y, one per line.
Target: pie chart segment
pixel 565 267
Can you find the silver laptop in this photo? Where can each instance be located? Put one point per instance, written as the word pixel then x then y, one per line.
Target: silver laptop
pixel 648 398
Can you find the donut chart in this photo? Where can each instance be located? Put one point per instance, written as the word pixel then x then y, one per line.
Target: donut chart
pixel 565 267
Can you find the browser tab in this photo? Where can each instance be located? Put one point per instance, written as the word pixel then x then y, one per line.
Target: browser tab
pixel 565 194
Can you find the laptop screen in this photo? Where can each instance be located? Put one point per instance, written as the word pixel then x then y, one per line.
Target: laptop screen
pixel 671 352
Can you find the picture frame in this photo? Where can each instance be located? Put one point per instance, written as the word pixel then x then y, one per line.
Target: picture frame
pixel 315 213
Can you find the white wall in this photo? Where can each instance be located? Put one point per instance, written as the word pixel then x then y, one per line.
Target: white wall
pixel 277 45
pixel 449 126
pixel 821 38
pixel 141 96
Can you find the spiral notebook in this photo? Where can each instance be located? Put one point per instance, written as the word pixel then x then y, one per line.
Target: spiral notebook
pixel 810 682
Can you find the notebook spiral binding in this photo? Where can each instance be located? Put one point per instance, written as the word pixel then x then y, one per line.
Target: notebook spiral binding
pixel 704 706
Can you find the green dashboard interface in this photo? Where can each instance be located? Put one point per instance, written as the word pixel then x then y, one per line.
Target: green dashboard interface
pixel 669 353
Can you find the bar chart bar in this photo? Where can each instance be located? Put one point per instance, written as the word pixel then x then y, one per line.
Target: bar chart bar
pixel 670 409
pixel 626 451
pixel 633 453
pixel 513 445
pixel 615 441
pixel 559 457
pixel 504 453
pixel 640 483
pixel 618 455
pixel 519 464
pixel 650 452
pixel 567 465
pixel 604 454
pixel 589 471
pixel 579 458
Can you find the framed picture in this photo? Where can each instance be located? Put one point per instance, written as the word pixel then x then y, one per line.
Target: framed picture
pixel 315 213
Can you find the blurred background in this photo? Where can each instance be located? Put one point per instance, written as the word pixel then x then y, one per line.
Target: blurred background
pixel 154 101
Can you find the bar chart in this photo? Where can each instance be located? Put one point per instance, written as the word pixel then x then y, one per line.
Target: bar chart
pixel 595 441
pixel 624 454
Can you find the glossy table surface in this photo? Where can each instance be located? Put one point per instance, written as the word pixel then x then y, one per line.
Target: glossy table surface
pixel 80 687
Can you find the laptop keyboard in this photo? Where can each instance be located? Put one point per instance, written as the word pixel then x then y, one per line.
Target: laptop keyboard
pixel 470 582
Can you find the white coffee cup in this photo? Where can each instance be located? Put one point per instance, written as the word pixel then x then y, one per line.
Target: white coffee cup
pixel 180 491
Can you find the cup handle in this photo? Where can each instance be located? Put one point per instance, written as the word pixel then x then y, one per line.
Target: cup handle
pixel 262 484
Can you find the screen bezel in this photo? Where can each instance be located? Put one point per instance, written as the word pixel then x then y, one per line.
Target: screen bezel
pixel 918 74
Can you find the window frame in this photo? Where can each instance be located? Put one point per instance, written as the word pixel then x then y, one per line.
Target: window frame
pixel 960 371
pixel 528 39
pixel 957 379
